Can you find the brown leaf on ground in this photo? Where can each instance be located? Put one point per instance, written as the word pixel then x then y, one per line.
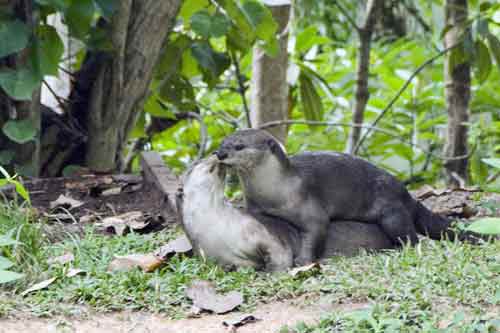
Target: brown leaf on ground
pixel 66 202
pixel 147 262
pixel 180 245
pixel 120 224
pixel 204 296
pixel 111 191
pixel 64 259
pixel 309 270
pixel 38 286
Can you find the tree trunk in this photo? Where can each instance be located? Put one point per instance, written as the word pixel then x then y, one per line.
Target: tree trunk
pixel 138 31
pixel 26 156
pixel 457 91
pixel 269 88
pixel 365 32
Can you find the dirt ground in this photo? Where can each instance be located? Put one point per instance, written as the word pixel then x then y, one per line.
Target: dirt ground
pixel 271 317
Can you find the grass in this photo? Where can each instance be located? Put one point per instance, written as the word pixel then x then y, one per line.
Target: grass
pixel 410 290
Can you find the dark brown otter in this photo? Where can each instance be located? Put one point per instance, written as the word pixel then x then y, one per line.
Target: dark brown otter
pixel 312 189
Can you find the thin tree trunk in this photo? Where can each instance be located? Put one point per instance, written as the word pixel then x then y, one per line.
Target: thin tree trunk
pixel 457 93
pixel 365 32
pixel 269 88
pixel 138 31
pixel 26 156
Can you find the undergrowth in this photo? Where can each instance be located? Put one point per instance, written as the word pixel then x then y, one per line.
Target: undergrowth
pixel 407 290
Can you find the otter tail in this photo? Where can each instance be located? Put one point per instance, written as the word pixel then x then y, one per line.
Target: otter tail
pixel 438 227
pixel 433 225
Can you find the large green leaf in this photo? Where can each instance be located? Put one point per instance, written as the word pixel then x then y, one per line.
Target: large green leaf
pixel 483 67
pixel 20 131
pixel 19 84
pixel 494 162
pixel 5 263
pixel 311 101
pixel 189 7
pixel 201 22
pixel 494 48
pixel 486 226
pixel 8 276
pixel 241 35
pixel 261 18
pixel 207 25
pixel 49 49
pixel 79 17
pixel 215 62
pixel 309 37
pixel 14 36
pixel 171 57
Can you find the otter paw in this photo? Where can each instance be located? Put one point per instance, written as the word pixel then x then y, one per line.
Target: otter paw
pixel 302 261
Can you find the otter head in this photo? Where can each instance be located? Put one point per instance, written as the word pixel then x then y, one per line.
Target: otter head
pixel 246 149
pixel 206 175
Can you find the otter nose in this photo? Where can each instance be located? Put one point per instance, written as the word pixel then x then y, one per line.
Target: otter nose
pixel 220 154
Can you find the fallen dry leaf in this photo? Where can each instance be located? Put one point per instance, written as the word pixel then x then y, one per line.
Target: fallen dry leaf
pixel 180 245
pixel 204 296
pixel 38 286
pixel 74 272
pixel 111 191
pixel 240 320
pixel 147 262
pixel 64 259
pixel 66 202
pixel 120 224
pixel 311 269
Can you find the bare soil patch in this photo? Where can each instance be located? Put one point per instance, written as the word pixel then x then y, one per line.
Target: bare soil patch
pixel 271 317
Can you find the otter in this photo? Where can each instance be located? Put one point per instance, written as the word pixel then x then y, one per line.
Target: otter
pixel 312 189
pixel 234 238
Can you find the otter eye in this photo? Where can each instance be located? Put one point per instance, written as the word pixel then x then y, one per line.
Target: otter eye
pixel 239 146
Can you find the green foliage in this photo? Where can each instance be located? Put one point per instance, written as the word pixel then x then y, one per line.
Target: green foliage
pixel 14 36
pixel 486 226
pixel 20 84
pixel 20 189
pixel 47 51
pixel 20 131
pixel 6 275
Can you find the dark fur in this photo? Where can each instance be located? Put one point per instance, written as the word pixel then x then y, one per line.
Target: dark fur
pixel 333 187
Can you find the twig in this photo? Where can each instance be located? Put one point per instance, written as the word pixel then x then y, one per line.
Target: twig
pixel 400 92
pixel 346 14
pixel 241 89
pixel 414 12
pixel 203 134
pixel 378 129
pixel 66 71
pixel 220 113
pixel 61 101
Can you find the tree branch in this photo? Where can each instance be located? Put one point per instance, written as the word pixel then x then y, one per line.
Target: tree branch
pixel 346 15
pixel 400 92
pixel 241 86
pixel 378 129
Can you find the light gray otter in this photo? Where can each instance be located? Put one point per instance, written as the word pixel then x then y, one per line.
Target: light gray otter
pixel 234 238
pixel 312 189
